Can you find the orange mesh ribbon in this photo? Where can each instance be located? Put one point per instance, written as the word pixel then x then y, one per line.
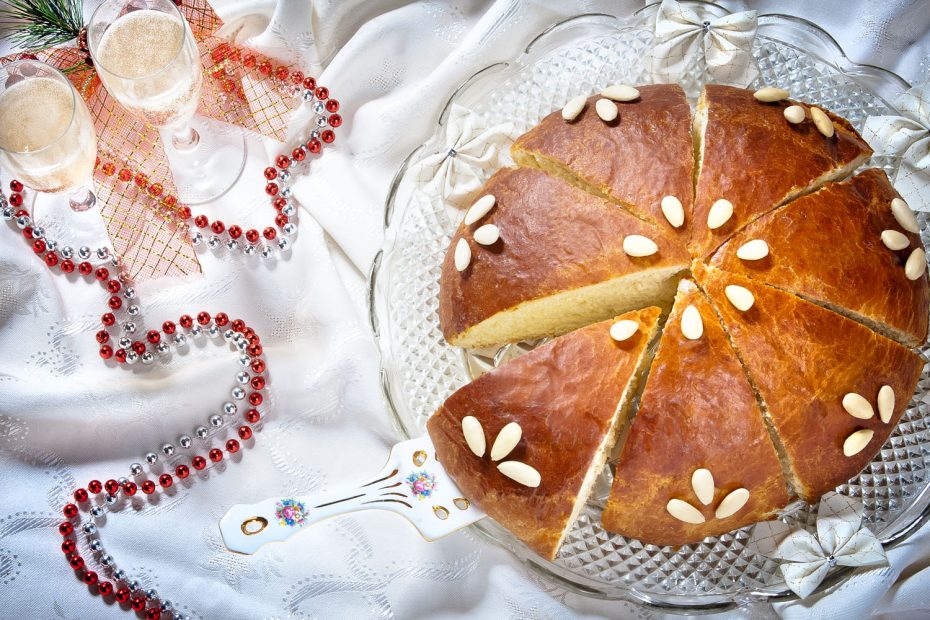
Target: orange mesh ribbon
pixel 133 181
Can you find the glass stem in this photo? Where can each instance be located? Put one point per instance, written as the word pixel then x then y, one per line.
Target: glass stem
pixel 186 138
pixel 82 198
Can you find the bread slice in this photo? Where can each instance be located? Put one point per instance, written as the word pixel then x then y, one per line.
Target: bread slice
pixel 569 397
pixel 827 247
pixel 697 411
pixel 635 161
pixel 559 264
pixel 802 360
pixel 753 157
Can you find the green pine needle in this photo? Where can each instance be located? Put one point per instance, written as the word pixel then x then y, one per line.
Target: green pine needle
pixel 40 24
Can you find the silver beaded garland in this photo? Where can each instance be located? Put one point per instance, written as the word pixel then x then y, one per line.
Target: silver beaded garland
pixel 216 421
pixel 96 545
pixel 133 584
pixel 166 606
pixel 147 357
pixel 167 449
pixel 213 331
pixel 267 252
pixel 51 245
pixel 103 253
pixel 229 334
pixel 249 250
pixel 283 244
pixel 132 357
pixel 163 347
pixel 232 244
pixel 201 432
pixel 7 213
pixel 129 293
pixel 133 310
pixel 96 512
pixel 110 498
pixel 151 594
pixel 67 252
pixel 242 377
pixel 180 340
pixel 38 233
pixel 151 458
pixel 230 408
pixel 185 441
pixel 289 229
pixel 196 237
pixel 238 393
pixel 119 574
pixel 84 252
pixel 308 95
pixel 129 327
pixel 135 469
pixel 124 342
pixel 288 210
pixel 89 528
pixel 23 221
pixel 106 559
pixel 319 107
pixel 245 360
pixel 213 242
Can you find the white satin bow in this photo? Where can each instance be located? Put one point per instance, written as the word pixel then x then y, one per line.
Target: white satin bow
pixel 908 137
pixel 840 540
pixel 724 44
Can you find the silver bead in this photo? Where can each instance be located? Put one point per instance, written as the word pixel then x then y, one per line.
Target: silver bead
pixel 201 432
pixel 315 134
pixel 232 244
pixel 185 441
pixel 51 245
pixel 122 480
pixel 165 606
pixel 180 340
pixel 119 574
pixel 7 213
pixel 321 121
pixel 67 252
pixel 96 545
pixel 267 252
pixel 148 357
pixel 96 512
pixel 23 221
pixel 238 393
pixel 216 421
pixel 242 377
pixel 283 244
pixel 89 528
pixel 133 584
pixel 213 242
pixel 285 192
pixel 196 330
pixel 167 449
pixel 132 357
pixel 308 95
pixel 178 616
pixel 163 347
pixel 242 344
pixel 135 469
pixel 151 594
pixel 114 260
pixel 196 237
pixel 129 293
pixel 249 249
pixel 103 253
pixel 290 228
pixel 124 342
pixel 245 360
pixel 284 176
pixel 39 233
pixel 106 559
pixel 213 331
pixel 84 252
pixel 110 498
pixel 319 107
pixel 230 408
pixel 133 310
pixel 129 327
pixel 288 210
pixel 151 458
pixel 229 334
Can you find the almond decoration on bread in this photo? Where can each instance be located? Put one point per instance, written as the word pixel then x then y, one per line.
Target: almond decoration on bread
pixel 787 293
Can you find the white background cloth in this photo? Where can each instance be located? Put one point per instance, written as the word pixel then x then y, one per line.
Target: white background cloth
pixel 65 418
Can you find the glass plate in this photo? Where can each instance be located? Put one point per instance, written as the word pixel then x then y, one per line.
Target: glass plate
pixel 420 370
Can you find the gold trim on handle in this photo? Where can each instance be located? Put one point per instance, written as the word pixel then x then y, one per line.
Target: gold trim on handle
pixel 262 521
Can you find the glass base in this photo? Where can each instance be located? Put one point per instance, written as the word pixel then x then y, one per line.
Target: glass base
pixel 207 158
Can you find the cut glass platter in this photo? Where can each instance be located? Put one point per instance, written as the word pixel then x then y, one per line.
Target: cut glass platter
pixel 419 369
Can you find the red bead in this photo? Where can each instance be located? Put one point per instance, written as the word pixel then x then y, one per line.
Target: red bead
pixel 129 488
pixel 16 200
pixel 124 175
pixel 112 486
pixel 279 203
pixel 309 83
pixel 165 480
pixel 281 73
pixel 115 303
pixel 322 93
pixel 120 355
pixel 114 286
pixel 148 487
pixel 106 351
pixel 238 325
pixel 255 399
pixel 298 154
pixel 182 472
pixel 141 179
pixel 156 189
pixel 221 319
pixel 282 162
pixel 80 496
pixel 85 268
pixel 264 68
pixel 103 336
pixel 153 336
pixel 332 106
pixel 108 319
pixel 335 120
pixel 67 265
pixel 138 347
pixel 254 350
pixel 75 561
pixel 245 432
pixel 94 486
pixel 258 383
pixel 16 186
pixel 258 366
pixel 270 233
pixel 109 169
pixel 271 173
pixel 102 273
pixel 186 321
pixel 280 220
pixel 138 603
pixel 252 416
pixel 27 232
pixel 153 613
pixel 217 227
pixel 328 136
pixel 122 595
pixel 251 235
pixel 248 60
pixel 314 146
pixel 203 318
pixel 65 528
pixel 38 246
pixel 297 77
pixel 105 588
pixel 271 189
pixel 183 212
pixel 70 511
pixel 201 221
pixel 232 446
pixel 235 231
pixel 199 462
pixel 168 327
pixel 68 546
pixel 90 577
pixel 216 455
pixel 219 52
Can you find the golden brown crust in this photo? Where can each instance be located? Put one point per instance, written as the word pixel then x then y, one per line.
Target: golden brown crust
pixel 697 411
pixel 564 395
pixel 803 359
pixel 554 237
pixel 636 160
pixel 827 247
pixel 755 158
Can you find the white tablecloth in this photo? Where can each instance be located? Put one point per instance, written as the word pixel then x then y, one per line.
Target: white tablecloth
pixel 65 418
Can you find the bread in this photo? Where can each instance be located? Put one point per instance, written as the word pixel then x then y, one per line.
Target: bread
pixel 802 360
pixel 827 247
pixel 697 411
pixel 635 161
pixel 569 396
pixel 750 155
pixel 538 280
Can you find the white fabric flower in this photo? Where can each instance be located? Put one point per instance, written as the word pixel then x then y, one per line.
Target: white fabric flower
pixel 840 540
pixel 908 137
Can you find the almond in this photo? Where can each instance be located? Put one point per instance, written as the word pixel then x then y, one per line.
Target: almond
pixel 757 249
pixel 916 264
pixel 623 330
pixel 520 472
pixel 487 234
pixel 683 511
pixel 606 110
pixel 741 298
pixel 474 435
pixel 904 216
pixel 857 406
pixel 720 213
pixel 795 114
pixel 732 503
pixel 462 255
pixel 620 92
pixel 886 403
pixel 895 240
pixel 506 441
pixel 692 327
pixel 770 94
pixel 673 211
pixel 702 481
pixel 822 122
pixel 639 246
pixel 478 210
pixel 574 107
pixel 857 442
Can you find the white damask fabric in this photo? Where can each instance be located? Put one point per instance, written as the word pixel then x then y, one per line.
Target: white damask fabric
pixel 66 418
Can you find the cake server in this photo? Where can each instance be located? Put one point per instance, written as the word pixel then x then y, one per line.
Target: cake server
pixel 412 484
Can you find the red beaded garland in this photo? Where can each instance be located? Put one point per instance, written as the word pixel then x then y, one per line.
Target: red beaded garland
pixel 282 162
pixel 257 383
pixel 168 327
pixel 335 120
pixel 90 577
pixel 203 318
pixel 67 265
pixel 258 366
pixel 199 462
pixel 129 488
pixel 138 347
pixel 80 496
pixel 106 351
pixel 105 588
pixel 221 319
pixel 112 486
pixel 216 455
pixel 138 603
pixel 232 446
pixel 185 321
pixel 165 480
pixel 120 355
pixel 16 200
pixel 271 173
pixel 122 595
pixel 70 511
pixel 94 486
pixel 76 562
pixel 251 235
pixel 253 416
pixel 332 106
pixel 68 546
pixel 85 268
pixel 153 336
pixel 108 319
pixel 245 432
pixel 255 399
pixel 182 471
pixel 103 336
pixel 16 186
pixel 114 286
pixel 148 487
pixel 38 246
pixel 153 613
pixel 102 274
pixel 270 233
pixel 115 303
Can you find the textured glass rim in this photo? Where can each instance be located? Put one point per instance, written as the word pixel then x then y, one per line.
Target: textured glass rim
pixel 787 30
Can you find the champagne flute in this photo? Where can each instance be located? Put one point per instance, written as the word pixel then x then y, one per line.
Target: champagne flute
pixel 147 58
pixel 47 137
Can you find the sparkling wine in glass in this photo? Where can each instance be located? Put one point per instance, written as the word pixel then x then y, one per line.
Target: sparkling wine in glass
pixel 147 57
pixel 47 137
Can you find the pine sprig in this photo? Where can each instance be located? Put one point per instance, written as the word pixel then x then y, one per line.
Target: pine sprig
pixel 40 24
